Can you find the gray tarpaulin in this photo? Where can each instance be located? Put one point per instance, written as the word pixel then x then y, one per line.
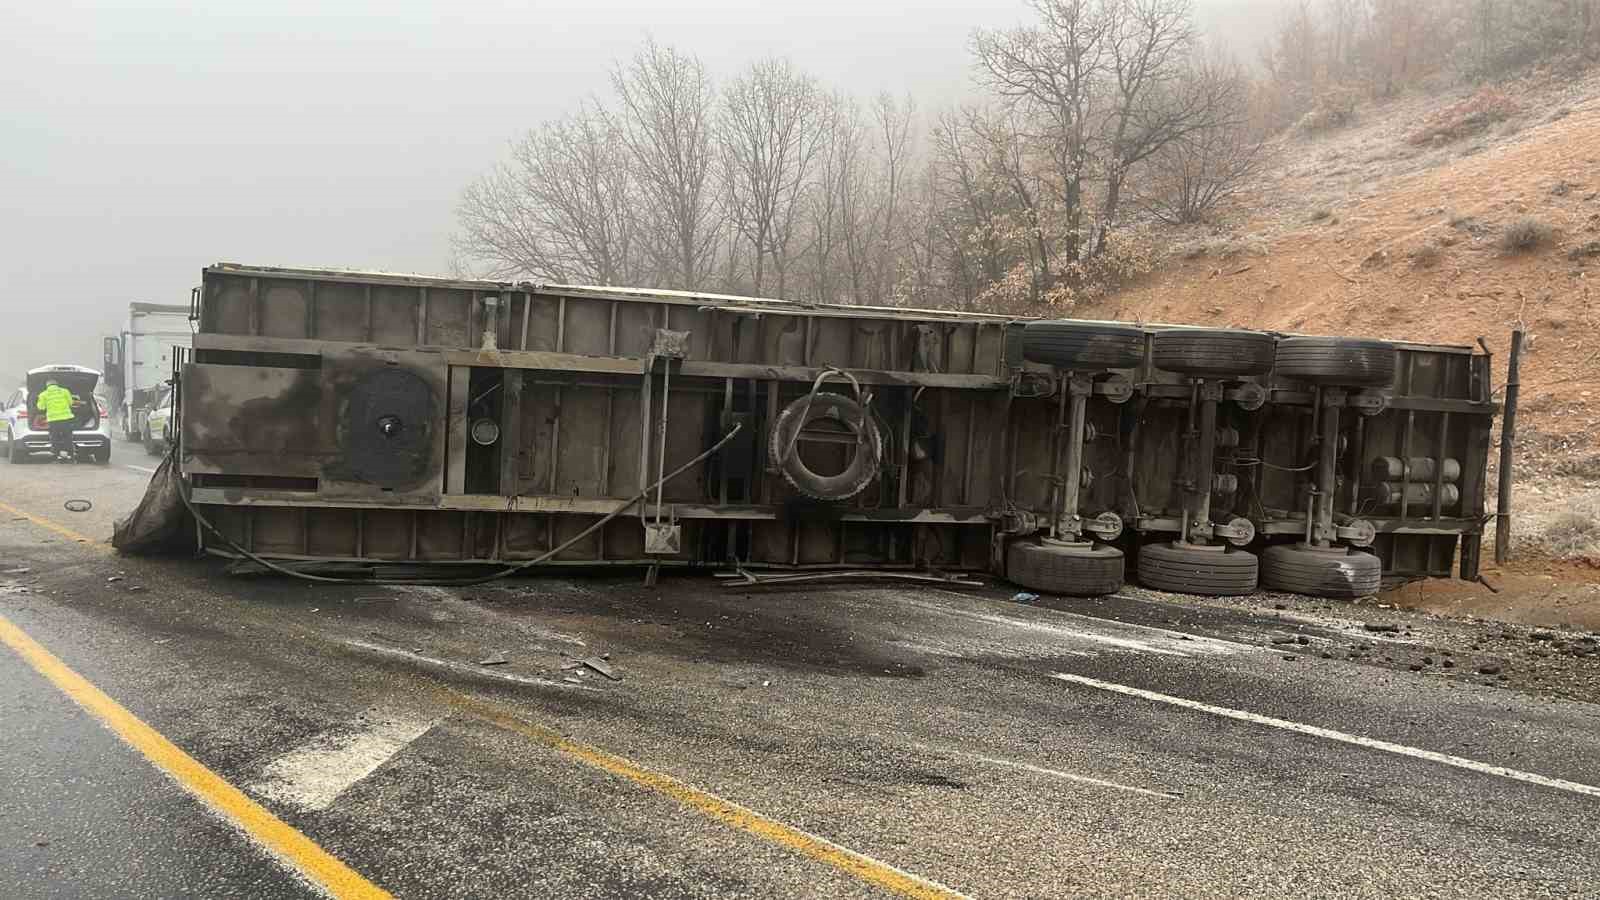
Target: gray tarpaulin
pixel 160 523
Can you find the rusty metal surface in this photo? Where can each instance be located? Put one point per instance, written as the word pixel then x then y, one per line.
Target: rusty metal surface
pixel 297 371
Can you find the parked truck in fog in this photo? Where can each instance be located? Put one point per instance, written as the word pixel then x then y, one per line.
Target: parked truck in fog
pixel 138 363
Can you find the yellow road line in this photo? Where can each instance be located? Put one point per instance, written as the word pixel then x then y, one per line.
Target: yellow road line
pixel 56 527
pixel 859 865
pixel 273 834
pixel 866 868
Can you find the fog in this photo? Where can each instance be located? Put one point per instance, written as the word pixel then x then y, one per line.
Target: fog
pixel 142 144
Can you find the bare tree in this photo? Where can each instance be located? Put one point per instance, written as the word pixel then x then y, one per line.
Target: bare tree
pixel 561 209
pixel 1054 72
pixel 1345 18
pixel 893 124
pixel 666 117
pixel 1101 83
pixel 1152 103
pixel 1189 176
pixel 971 209
pixel 836 186
pixel 769 137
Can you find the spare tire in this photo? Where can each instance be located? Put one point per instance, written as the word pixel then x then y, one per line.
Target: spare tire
pixel 1083 346
pixel 863 466
pixel 1076 571
pixel 1213 352
pixel 1351 362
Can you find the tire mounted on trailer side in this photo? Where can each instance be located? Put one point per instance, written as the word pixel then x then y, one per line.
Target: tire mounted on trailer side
pixel 1333 572
pixel 1342 362
pixel 1213 352
pixel 1188 569
pixel 1073 570
pixel 1083 346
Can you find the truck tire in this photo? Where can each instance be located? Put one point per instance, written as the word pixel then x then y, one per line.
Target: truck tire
pixel 1180 568
pixel 102 456
pixel 1073 570
pixel 1348 362
pixel 1083 346
pixel 863 466
pixel 1213 352
pixel 1335 572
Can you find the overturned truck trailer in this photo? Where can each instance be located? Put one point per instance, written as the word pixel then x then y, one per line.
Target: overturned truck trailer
pixel 334 416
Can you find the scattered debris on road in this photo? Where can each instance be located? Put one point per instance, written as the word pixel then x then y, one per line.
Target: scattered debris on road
pixel 494 659
pixel 600 665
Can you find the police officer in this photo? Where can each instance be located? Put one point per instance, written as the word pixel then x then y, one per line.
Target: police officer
pixel 56 402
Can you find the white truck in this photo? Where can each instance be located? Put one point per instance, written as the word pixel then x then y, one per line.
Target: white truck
pixel 138 362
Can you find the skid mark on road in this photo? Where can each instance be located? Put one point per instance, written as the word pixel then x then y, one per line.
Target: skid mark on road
pixel 859 865
pixel 312 776
pixel 1332 735
pixel 462 668
pixel 1052 773
pixel 296 852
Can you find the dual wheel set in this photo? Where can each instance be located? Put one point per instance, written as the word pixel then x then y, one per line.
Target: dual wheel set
pixel 1205 557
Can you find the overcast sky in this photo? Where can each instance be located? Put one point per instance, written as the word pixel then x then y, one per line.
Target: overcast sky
pixel 142 141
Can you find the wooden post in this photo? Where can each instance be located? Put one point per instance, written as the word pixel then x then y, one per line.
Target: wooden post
pixel 1508 436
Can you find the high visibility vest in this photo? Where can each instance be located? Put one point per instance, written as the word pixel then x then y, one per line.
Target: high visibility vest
pixel 56 402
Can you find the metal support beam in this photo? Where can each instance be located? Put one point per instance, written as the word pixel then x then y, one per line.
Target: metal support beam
pixel 511 434
pixel 1197 517
pixel 1327 466
pixel 1066 512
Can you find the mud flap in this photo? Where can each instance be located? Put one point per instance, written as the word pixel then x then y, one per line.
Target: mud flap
pixel 160 523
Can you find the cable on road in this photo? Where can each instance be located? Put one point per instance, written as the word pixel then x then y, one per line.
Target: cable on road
pixel 459 582
pixel 78 506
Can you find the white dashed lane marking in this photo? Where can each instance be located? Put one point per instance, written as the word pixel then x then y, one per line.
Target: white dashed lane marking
pixel 1332 735
pixel 311 777
pixel 1052 773
pixel 1041 629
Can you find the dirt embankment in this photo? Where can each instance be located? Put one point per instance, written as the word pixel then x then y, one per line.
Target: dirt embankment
pixel 1365 232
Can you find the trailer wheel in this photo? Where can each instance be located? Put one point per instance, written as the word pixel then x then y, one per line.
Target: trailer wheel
pixel 1213 352
pixel 1336 361
pixel 1192 569
pixel 1321 571
pixel 863 466
pixel 1076 570
pixel 1083 345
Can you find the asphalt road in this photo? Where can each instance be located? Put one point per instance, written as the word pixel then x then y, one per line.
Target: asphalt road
pixel 805 743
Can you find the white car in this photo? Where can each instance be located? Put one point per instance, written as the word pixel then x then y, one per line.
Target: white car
pixel 23 428
pixel 158 425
